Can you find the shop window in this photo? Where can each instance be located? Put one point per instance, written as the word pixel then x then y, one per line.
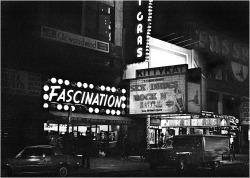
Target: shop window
pixel 103 16
pixel 65 15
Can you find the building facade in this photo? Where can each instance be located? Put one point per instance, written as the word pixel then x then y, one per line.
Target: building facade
pixel 80 41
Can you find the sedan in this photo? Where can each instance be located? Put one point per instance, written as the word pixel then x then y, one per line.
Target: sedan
pixel 40 159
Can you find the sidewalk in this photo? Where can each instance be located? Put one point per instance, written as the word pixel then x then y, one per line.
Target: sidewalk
pixel 239 159
pixel 112 164
pixel 134 163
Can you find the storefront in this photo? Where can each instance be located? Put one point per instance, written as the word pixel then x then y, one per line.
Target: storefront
pixel 75 108
pixel 170 101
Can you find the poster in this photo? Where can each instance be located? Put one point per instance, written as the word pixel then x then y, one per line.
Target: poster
pixel 194 98
pixel 158 95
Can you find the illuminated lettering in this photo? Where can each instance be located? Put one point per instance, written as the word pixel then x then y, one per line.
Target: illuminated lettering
pixel 139 52
pixel 61 96
pixel 96 100
pixel 113 101
pixel 82 97
pixel 89 98
pixel 69 95
pixel 52 93
pixel 118 102
pixel 101 95
pixel 74 98
pixel 139 16
pixel 139 40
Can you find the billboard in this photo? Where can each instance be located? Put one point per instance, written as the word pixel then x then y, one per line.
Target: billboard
pixel 165 94
pixel 194 98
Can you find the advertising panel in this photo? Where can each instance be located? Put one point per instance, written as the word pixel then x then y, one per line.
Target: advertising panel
pixel 194 98
pixel 164 94
pixel 86 97
pixel 16 82
pixel 244 112
pixel 220 45
pixel 70 38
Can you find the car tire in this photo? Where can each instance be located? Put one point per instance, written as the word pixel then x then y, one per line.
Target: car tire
pixel 6 172
pixel 215 165
pixel 63 171
pixel 182 164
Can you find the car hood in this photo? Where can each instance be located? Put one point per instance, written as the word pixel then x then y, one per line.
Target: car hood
pixel 8 161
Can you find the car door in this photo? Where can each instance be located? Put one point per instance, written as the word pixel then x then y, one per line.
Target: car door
pixel 32 161
pixel 168 152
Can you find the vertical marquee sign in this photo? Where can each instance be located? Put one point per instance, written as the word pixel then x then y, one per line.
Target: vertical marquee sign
pixel 62 94
pixel 143 35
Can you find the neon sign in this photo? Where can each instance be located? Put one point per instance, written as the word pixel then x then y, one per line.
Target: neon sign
pixel 142 44
pixel 66 95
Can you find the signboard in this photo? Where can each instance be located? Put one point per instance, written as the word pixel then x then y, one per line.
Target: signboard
pixel 164 94
pixel 194 98
pixel 73 39
pixel 159 71
pixel 143 27
pixel 215 43
pixel 87 96
pixel 16 82
pixel 244 112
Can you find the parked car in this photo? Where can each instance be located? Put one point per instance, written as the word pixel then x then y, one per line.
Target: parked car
pixel 186 150
pixel 40 159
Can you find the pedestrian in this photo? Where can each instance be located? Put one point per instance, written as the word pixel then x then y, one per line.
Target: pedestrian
pixel 126 146
pixel 232 150
pixel 160 143
pixel 85 148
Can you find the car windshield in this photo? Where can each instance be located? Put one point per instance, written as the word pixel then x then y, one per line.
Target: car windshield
pixel 57 151
pixel 187 144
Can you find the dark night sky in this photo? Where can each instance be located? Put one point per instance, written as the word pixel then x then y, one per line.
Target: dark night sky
pixel 230 18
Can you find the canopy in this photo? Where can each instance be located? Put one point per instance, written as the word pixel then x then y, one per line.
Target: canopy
pixel 83 118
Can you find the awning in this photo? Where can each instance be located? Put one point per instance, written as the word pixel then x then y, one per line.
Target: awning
pixel 81 118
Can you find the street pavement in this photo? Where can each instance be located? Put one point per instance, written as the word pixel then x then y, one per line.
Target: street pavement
pixel 103 166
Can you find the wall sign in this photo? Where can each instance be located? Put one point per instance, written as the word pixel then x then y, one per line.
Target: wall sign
pixel 244 112
pixel 177 69
pixel 143 28
pixel 217 44
pixel 94 99
pixel 16 82
pixel 73 39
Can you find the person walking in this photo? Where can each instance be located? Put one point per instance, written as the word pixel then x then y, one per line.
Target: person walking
pixel 85 149
pixel 232 150
pixel 160 143
pixel 126 146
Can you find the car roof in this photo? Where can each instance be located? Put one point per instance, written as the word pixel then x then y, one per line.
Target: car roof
pixel 197 136
pixel 41 146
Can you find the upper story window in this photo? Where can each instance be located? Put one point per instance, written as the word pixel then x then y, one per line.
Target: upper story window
pixel 91 18
pixel 103 17
pixel 215 73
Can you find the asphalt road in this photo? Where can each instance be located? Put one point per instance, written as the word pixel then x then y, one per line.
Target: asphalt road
pixel 224 171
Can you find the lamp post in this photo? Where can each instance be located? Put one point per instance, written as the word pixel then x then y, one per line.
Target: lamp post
pixel 69 118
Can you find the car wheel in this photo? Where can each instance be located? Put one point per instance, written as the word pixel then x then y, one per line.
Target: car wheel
pixel 182 164
pixel 215 165
pixel 63 171
pixel 152 166
pixel 5 172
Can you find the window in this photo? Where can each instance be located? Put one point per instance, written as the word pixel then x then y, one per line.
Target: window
pixel 215 73
pixel 103 16
pixel 31 152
